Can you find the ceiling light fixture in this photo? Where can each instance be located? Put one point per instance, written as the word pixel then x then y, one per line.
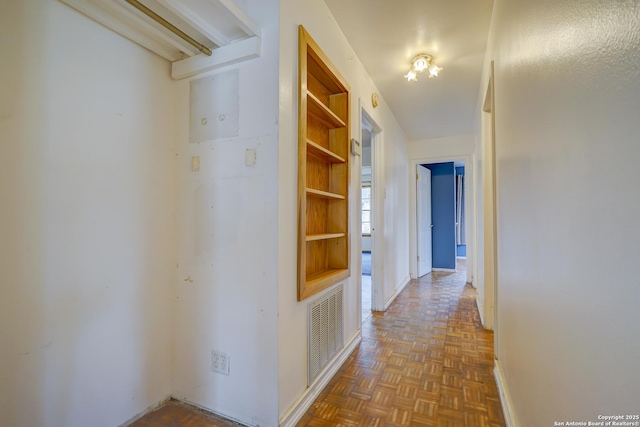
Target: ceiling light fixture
pixel 420 64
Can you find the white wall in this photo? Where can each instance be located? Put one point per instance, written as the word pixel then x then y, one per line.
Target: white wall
pixel 292 328
pixel 567 89
pixel 448 146
pixel 87 247
pixel 227 232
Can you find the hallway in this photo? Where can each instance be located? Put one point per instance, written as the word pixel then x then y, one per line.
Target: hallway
pixel 426 361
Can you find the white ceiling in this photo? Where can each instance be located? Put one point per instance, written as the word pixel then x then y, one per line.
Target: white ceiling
pixel 386 34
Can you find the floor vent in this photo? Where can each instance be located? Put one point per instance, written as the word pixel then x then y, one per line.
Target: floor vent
pixel 325 331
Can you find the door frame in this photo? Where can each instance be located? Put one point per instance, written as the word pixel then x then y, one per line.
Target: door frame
pixel 468 160
pixel 489 227
pixel 377 212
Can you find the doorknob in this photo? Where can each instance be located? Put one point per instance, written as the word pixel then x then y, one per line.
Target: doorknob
pixel 431 226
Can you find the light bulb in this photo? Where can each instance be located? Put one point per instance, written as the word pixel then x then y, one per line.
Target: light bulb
pixel 411 76
pixel 420 65
pixel 434 70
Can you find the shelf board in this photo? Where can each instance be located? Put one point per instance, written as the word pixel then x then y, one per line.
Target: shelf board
pixel 324 194
pixel 323 113
pixel 323 153
pixel 312 279
pixel 312 237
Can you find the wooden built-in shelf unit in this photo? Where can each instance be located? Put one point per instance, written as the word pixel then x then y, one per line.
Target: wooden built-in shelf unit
pixel 323 170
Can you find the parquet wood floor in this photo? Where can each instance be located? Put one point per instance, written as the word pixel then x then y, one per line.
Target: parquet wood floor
pixel 176 414
pixel 426 361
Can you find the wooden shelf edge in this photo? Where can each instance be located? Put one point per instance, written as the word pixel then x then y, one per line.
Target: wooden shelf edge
pixel 327 236
pixel 318 282
pixel 322 112
pixel 322 152
pixel 336 274
pixel 324 194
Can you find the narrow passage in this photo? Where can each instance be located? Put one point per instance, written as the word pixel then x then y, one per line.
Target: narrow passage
pixel 426 361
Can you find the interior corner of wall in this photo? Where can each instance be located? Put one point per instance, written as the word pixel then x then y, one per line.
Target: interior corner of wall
pixel 480 307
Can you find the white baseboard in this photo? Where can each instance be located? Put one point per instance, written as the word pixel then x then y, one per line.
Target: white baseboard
pixel 149 409
pixel 447 270
pixel 291 417
pixel 461 257
pixel 403 284
pixel 480 311
pixel 209 411
pixel 505 397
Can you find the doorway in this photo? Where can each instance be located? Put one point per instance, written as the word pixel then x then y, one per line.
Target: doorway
pixel 366 217
pixel 458 231
pixel 440 217
pixel 370 215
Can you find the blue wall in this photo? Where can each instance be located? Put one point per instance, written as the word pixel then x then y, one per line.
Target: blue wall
pixel 462 249
pixel 443 214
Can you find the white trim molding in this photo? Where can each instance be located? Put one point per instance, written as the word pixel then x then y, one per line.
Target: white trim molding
pixel 505 397
pixel 291 417
pixel 481 312
pixel 220 57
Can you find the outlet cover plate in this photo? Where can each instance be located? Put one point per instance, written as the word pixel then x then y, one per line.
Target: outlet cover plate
pixel 220 362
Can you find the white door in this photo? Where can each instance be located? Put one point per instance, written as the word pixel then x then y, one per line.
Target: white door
pixel 423 197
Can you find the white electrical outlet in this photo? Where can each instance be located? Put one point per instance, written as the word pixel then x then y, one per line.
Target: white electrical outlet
pixel 250 157
pixel 220 362
pixel 195 164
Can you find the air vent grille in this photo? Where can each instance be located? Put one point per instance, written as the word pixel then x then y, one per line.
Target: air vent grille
pixel 325 330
